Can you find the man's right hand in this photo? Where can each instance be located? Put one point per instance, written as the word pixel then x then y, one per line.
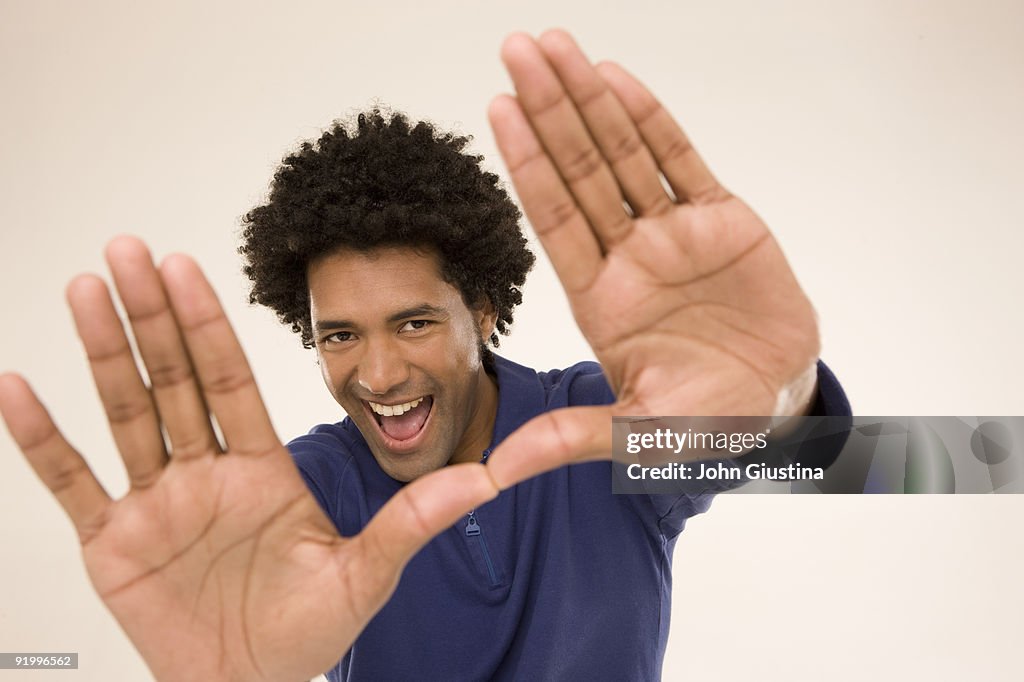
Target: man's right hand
pixel 218 563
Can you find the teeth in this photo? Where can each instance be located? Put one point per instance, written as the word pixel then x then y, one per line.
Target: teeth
pixel 394 410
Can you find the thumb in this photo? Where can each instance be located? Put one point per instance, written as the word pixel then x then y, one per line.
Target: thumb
pixel 551 440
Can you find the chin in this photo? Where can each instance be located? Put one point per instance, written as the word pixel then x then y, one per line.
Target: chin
pixel 407 472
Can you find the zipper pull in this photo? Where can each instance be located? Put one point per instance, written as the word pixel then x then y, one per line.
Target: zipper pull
pixel 472 527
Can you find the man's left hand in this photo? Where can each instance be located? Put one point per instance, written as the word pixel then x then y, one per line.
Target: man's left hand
pixel 678 286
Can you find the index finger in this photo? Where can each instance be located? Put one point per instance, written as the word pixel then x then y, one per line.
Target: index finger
pixel 422 509
pixel 551 440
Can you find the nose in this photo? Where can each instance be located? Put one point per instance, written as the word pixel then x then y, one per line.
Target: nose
pixel 369 388
pixel 382 367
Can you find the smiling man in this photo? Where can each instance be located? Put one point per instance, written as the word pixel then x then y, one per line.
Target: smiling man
pixel 395 256
pixel 388 249
pixel 400 352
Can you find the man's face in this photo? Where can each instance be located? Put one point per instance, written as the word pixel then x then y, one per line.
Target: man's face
pixel 400 352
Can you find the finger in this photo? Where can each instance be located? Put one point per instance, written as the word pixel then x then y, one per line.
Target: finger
pixel 56 463
pixel 610 125
pixel 422 509
pixel 178 399
pixel 685 171
pixel 224 375
pixel 553 115
pixel 126 401
pixel 551 440
pixel 560 226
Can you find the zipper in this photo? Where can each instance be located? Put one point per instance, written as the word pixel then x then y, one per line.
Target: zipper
pixel 474 533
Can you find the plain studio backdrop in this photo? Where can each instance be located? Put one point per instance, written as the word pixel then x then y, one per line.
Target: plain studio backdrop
pixel 879 140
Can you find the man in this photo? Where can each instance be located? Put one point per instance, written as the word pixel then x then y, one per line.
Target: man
pixel 220 564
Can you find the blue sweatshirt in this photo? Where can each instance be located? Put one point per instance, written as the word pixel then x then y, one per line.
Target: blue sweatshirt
pixel 555 579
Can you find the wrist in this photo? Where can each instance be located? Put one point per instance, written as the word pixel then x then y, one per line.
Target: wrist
pixel 795 401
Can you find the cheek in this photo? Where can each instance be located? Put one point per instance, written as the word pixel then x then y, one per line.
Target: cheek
pixel 465 350
pixel 333 376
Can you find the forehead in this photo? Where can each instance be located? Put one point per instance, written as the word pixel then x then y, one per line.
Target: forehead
pixel 347 281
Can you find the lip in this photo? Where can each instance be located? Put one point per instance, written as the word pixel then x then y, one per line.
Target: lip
pixel 400 446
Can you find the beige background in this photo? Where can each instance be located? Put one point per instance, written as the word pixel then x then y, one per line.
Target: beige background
pixel 881 141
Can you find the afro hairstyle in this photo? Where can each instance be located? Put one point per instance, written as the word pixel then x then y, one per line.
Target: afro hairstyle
pixel 385 182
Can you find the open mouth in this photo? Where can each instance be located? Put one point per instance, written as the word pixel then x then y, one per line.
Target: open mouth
pixel 402 424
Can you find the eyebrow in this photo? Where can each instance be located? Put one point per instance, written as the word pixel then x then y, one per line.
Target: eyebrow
pixel 421 310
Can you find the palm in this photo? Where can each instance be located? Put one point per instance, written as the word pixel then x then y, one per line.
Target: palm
pixel 679 306
pixel 231 559
pixel 219 563
pixel 682 292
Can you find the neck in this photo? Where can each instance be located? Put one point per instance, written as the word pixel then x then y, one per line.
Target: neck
pixel 478 435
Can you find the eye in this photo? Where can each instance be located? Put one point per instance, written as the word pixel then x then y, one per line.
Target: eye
pixel 415 325
pixel 338 337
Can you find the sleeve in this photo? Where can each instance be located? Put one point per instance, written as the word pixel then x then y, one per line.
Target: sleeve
pixel 308 469
pixel 322 463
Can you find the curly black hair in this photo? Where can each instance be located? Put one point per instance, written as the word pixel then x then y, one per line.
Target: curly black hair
pixel 387 182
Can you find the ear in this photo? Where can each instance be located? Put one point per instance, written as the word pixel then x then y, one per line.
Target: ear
pixel 486 316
